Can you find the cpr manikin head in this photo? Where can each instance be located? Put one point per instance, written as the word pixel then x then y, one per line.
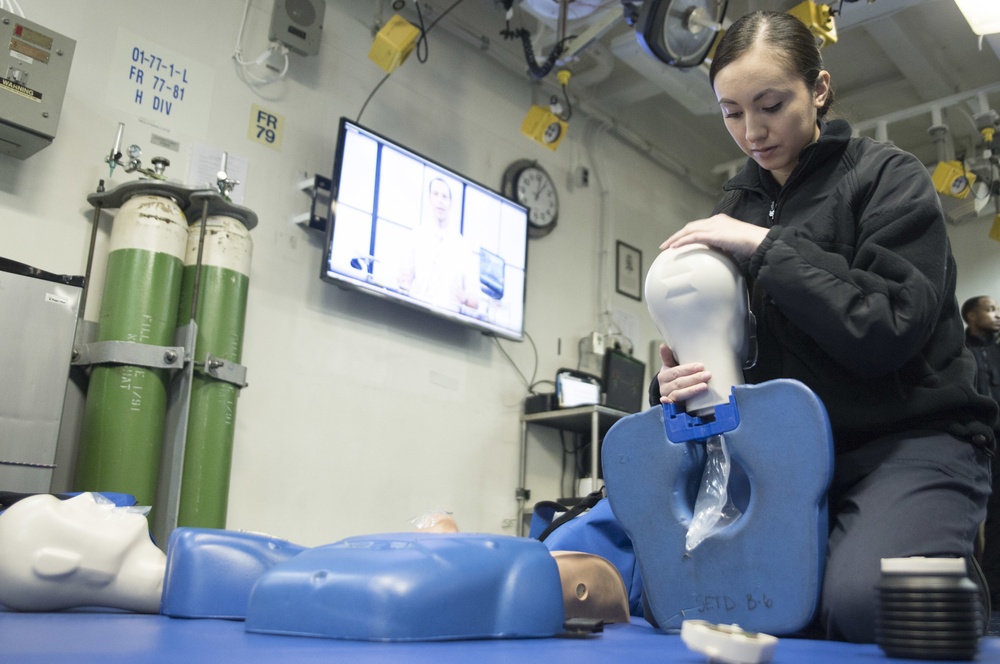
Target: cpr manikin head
pixel 59 554
pixel 697 298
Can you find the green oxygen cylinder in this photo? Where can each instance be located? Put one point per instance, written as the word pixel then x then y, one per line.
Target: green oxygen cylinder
pixel 126 404
pixel 220 318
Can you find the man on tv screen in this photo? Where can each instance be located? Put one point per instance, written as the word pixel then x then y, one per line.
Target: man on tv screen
pixel 438 269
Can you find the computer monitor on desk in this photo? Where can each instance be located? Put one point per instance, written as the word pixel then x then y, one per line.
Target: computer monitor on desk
pixel 624 381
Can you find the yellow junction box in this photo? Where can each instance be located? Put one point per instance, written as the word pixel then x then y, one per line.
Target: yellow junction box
pixel 819 20
pixel 544 126
pixel 393 43
pixel 951 179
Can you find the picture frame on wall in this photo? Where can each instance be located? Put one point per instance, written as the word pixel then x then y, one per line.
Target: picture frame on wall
pixel 628 271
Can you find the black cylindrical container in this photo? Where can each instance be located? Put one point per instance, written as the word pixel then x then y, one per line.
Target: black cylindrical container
pixel 928 608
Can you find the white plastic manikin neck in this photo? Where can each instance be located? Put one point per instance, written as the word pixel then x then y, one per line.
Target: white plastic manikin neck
pixel 697 298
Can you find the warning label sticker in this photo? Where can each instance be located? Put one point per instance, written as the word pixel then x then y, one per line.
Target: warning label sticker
pixel 18 89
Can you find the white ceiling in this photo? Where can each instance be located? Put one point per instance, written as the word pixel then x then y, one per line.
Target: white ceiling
pixel 891 56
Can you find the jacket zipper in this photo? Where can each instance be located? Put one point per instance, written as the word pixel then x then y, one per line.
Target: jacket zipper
pixel 796 176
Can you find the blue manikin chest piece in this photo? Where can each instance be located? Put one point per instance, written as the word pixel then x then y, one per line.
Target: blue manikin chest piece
pixel 764 571
pixel 413 587
pixel 210 572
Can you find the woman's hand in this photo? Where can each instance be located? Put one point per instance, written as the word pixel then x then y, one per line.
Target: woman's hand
pixel 721 231
pixel 680 382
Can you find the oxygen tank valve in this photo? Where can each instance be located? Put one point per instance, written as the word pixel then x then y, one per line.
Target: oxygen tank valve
pixel 225 183
pixel 160 165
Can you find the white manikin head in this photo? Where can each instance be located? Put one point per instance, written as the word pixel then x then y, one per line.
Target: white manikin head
pixel 59 554
pixel 697 298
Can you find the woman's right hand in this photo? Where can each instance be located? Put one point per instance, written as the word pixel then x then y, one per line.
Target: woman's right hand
pixel 680 382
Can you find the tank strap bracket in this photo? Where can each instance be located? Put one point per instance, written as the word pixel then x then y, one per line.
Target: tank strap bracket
pixel 224 370
pixel 129 352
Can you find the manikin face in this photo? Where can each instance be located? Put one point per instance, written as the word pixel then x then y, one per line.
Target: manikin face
pixel 769 110
pixel 440 201
pixel 985 317
pixel 57 554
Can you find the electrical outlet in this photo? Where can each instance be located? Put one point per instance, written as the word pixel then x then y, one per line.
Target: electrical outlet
pixel 597 343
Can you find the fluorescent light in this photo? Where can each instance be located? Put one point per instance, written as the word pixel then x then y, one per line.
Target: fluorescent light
pixel 983 15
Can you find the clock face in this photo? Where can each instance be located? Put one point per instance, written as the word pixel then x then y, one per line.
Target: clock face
pixel 534 189
pixel 527 183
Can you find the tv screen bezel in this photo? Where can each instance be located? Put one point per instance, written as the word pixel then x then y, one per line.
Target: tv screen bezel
pixel 344 281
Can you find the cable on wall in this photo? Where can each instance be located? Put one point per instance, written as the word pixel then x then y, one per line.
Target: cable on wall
pixel 12 6
pixel 531 384
pixel 275 48
pixel 423 38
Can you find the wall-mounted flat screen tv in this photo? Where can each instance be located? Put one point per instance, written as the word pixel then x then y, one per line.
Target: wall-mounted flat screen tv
pixel 408 229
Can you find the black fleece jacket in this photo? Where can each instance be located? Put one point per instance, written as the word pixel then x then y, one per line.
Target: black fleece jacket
pixel 853 289
pixel 987 354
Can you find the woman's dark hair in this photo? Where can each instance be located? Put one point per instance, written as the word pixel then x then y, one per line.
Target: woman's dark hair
pixel 780 33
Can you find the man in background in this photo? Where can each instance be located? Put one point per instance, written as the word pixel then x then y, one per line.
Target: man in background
pixel 982 319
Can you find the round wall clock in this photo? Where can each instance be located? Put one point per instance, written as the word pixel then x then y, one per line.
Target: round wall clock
pixel 530 185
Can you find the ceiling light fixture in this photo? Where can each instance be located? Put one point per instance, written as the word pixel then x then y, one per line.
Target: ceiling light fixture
pixel 679 32
pixel 983 15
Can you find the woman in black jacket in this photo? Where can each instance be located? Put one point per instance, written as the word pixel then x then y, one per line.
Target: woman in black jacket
pixel 843 244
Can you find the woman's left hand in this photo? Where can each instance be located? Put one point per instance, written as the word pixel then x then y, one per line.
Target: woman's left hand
pixel 721 231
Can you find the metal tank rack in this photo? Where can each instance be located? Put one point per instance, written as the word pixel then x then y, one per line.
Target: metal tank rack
pixel 177 361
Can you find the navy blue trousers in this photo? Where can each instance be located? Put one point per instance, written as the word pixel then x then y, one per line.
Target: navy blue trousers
pixel 914 494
